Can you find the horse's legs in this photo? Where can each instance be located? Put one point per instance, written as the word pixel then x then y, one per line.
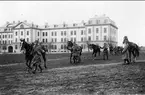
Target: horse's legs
pixel 40 68
pixel 129 56
pixel 71 58
pixel 134 56
pixel 44 58
pixel 35 68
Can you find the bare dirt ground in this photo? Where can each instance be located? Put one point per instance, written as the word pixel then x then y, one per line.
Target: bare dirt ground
pixel 86 78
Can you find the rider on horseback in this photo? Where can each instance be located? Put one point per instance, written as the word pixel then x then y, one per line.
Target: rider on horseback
pixel 105 51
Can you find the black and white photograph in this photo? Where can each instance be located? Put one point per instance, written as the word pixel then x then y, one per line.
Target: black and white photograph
pixel 72 48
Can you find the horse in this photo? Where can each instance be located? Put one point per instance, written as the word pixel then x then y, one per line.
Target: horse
pixel 29 48
pixel 133 50
pixel 96 49
pixel 70 46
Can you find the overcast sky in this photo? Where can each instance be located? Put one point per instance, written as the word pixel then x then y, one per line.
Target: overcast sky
pixel 128 15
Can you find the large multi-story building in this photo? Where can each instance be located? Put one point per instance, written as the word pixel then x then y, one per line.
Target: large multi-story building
pixel 98 30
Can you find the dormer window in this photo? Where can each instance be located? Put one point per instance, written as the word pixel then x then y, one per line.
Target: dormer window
pixel 22 26
pixel 90 22
pixel 74 24
pixel 105 21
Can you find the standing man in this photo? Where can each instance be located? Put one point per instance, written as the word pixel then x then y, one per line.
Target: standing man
pixel 125 51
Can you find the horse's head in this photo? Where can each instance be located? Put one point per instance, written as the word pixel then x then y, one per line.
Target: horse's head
pixel 90 46
pixel 22 44
pixel 69 45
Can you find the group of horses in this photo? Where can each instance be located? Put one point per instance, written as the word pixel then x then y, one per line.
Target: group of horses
pixel 33 53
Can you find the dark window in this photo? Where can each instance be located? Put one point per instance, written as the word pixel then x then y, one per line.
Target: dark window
pixel 16 40
pixel 46 40
pixel 105 37
pixel 74 39
pixel 61 46
pixel 22 26
pixel 55 40
pixel 27 32
pixel 55 33
pixel 74 32
pixel 27 39
pixel 81 32
pixel 5 36
pixel 89 31
pixel 97 30
pixel 46 33
pixel 21 32
pixel 16 47
pixel 61 39
pixel 0 36
pixel 64 39
pixel 105 30
pixel 43 34
pixel 82 39
pixel 65 33
pixel 97 38
pixel 89 38
pixel 38 33
pixel 71 32
pixel 43 39
pixel 52 33
pixel 61 33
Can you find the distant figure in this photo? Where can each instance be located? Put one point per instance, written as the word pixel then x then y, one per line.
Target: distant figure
pixel 125 51
pixel 105 51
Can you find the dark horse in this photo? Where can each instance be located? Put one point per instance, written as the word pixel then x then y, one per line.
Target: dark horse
pixel 134 50
pixel 70 47
pixel 96 49
pixel 28 52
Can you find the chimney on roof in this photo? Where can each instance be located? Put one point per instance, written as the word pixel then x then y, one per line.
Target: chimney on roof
pixel 13 22
pixel 7 22
pixel 25 21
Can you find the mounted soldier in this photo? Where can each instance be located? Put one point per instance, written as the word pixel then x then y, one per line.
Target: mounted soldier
pixel 105 51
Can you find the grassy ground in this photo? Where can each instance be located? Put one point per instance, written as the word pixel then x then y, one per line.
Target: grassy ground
pixel 81 79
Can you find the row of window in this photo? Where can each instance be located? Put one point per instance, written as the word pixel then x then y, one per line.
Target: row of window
pixel 27 40
pixel 97 30
pixel 98 21
pixel 6 42
pixel 22 33
pixel 6 36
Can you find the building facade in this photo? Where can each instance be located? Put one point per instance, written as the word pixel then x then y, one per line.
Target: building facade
pixel 97 30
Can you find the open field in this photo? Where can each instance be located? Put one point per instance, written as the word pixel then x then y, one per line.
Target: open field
pixel 88 77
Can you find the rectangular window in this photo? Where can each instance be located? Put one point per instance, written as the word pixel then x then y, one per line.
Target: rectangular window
pixel 16 40
pixel 55 40
pixel 61 39
pixel 64 39
pixel 46 33
pixel 74 32
pixel 105 38
pixel 52 39
pixel 105 30
pixel 5 36
pixel 46 40
pixel 11 36
pixel 71 32
pixel 16 47
pixel 43 34
pixel 89 38
pixel 0 36
pixel 82 39
pixel 43 39
pixel 89 31
pixel 97 30
pixel 55 47
pixel 16 33
pixel 81 32
pixel 74 39
pixel 38 33
pixel 22 33
pixel 27 32
pixel 97 38
pixel 61 46
pixel 65 33
pixel 27 39
pixel 55 33
pixel 52 33
pixel 61 33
